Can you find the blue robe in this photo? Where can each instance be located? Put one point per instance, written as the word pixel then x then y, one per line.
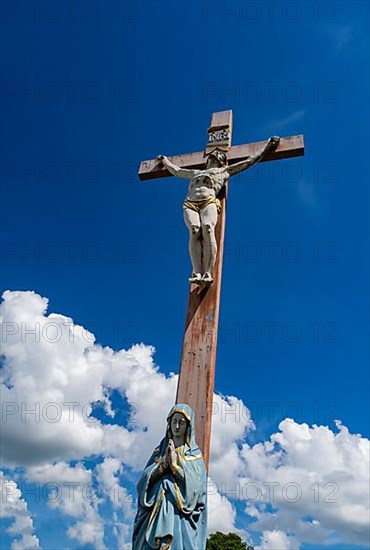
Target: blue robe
pixel 172 512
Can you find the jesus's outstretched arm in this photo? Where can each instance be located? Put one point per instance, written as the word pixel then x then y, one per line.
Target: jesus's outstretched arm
pixel 177 170
pixel 271 145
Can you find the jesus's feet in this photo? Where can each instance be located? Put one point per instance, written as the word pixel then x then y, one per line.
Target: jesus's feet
pixel 207 278
pixel 196 278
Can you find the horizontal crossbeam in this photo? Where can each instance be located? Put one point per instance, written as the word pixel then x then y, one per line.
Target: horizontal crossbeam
pixel 289 147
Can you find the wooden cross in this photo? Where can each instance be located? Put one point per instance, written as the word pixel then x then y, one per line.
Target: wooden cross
pixel 197 368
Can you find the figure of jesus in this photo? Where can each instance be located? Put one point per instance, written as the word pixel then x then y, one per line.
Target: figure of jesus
pixel 201 206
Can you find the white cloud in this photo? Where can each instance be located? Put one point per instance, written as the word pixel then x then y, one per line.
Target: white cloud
pixel 230 423
pixel 53 375
pixel 277 540
pixel 108 477
pixel 72 492
pixel 107 474
pixel 221 512
pixel 307 193
pixel 344 37
pixel 281 123
pixel 15 507
pixel 89 530
pixel 321 483
pixel 70 486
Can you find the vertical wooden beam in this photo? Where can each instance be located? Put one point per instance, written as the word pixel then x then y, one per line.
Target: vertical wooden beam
pixel 198 361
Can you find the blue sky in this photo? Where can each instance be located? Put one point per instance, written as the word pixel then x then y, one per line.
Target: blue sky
pixel 111 252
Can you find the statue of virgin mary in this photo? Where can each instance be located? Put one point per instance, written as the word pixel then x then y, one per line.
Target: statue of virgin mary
pixel 172 491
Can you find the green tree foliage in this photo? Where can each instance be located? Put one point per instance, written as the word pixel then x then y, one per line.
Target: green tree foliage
pixel 220 541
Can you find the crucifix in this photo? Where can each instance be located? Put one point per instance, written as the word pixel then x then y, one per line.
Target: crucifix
pixel 205 217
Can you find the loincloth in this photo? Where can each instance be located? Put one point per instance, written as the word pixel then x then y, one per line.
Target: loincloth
pixel 198 206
